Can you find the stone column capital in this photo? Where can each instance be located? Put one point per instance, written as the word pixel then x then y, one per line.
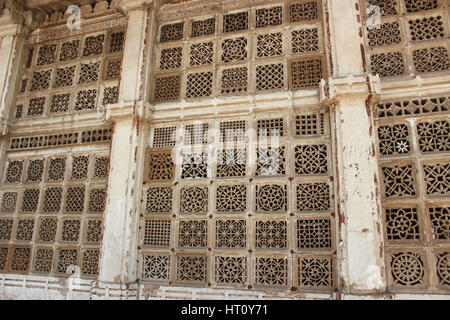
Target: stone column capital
pixel 349 88
pixel 16 20
pixel 128 110
pixel 4 127
pixel 126 6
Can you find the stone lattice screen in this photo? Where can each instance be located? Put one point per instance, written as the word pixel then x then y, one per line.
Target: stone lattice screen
pixel 414 165
pixel 217 218
pixel 75 74
pixel 406 37
pixel 52 203
pixel 276 47
pixel 54 184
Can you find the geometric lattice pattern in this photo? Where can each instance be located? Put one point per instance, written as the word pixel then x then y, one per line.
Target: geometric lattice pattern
pixel 89 265
pixel 201 54
pixel 171 32
pixel 231 199
pixel 426 28
pixel 231 270
pixel 309 124
pixel 226 216
pixel 386 34
pixel 402 224
pixel 269 45
pixel 199 84
pixel 160 166
pixel 431 59
pixel 305 73
pixel 171 58
pixel 235 21
pixel 415 189
pixel 315 272
pixel 443 268
pixel 159 200
pixel 231 163
pixel 271 161
pixel 271 198
pixel 234 49
pixel 194 200
pixel 156 267
pixel 437 178
pixel 300 12
pixel 203 27
pixel 314 233
pixel 415 6
pixel 271 271
pixel 48 211
pixel 270 76
pixel 313 197
pixel 194 166
pixel 387 64
pixel 234 80
pixel 231 233
pixel 164 137
pixel 191 268
pixel 271 234
pixel 394 139
pixel 305 40
pixel 167 88
pixel 407 268
pixel 68 63
pixel 434 136
pixel 269 17
pixel 311 159
pixel 398 181
pixel 193 233
pixel 270 127
pixel 157 233
pixel 439 218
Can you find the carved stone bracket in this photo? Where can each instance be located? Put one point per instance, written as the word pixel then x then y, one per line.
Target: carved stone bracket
pixel 127 110
pixel 350 87
pixel 125 6
pixel 4 127
pixel 15 19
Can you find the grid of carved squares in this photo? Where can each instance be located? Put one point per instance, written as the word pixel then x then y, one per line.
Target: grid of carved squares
pixel 310 233
pixel 179 216
pixel 234 199
pixel 419 24
pixel 313 271
pixel 415 191
pixel 304 39
pixel 50 228
pixel 75 62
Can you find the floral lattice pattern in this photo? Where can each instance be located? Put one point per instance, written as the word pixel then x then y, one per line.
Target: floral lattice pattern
pixel 394 139
pixel 231 233
pixel 399 181
pixel 231 199
pixel 271 271
pixel 271 198
pixel 402 224
pixel 194 200
pixel 193 233
pixel 407 268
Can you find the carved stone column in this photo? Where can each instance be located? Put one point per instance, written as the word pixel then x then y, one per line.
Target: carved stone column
pixel 15 25
pixel 350 92
pixel 118 265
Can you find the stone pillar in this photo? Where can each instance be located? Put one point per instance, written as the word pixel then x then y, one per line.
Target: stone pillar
pixel 15 25
pixel 118 265
pixel 350 92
